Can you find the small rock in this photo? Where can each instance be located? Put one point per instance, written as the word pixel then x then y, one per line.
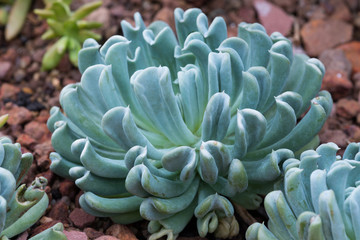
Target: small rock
pixel 4 69
pixel 26 141
pixel 41 154
pixel 101 15
pixel 354 133
pixel 120 231
pixel 19 75
pixel 338 69
pixel 68 188
pixel 80 218
pixel 75 235
pixel 60 210
pixel 336 136
pixel 288 5
pixel 117 11
pixel 166 14
pixel 37 130
pixel 337 83
pixel 17 115
pixel 92 233
pixel 347 108
pixel 341 11
pixel 8 91
pixel 106 237
pixel 25 61
pixel 352 52
pixel 23 236
pixel 43 116
pixel 273 18
pixel 319 35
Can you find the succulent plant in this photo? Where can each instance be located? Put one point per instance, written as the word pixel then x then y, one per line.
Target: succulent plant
pixel 318 199
pixel 14 20
pixel 20 207
pixel 70 27
pixel 165 128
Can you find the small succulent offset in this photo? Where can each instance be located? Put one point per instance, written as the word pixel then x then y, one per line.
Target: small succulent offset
pixel 70 27
pixel 165 128
pixel 20 207
pixel 319 198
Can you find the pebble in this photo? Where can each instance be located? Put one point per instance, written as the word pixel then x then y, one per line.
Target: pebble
pixel 319 35
pixel 106 237
pixel 41 154
pixel 60 210
pixel 120 231
pixel 68 188
pixel 37 130
pixel 92 233
pixel 336 136
pixel 338 69
pixel 17 115
pixel 8 91
pixel 75 235
pixel 101 15
pixel 352 53
pixel 347 108
pixel 4 69
pixel 80 218
pixel 273 17
pixel 26 141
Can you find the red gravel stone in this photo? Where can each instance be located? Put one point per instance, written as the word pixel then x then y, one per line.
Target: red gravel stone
pixel 75 235
pixel 273 18
pixel 92 233
pixel 60 210
pixel 352 52
pixel 17 115
pixel 337 83
pixel 37 130
pixel 347 108
pixel 8 90
pixel 106 237
pixel 26 141
pixel 121 231
pixel 68 188
pixel 4 69
pixel 80 218
pixel 319 35
pixel 338 69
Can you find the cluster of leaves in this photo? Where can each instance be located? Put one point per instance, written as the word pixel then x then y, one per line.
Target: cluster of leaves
pixel 318 199
pixel 166 127
pixel 70 27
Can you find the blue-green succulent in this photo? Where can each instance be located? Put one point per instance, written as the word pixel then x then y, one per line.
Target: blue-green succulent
pixel 319 198
pixel 166 127
pixel 20 207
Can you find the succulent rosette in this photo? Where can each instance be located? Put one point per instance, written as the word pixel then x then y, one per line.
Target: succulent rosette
pixel 318 199
pixel 20 207
pixel 166 128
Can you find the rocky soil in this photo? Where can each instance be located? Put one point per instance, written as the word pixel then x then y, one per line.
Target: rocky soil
pixel 326 29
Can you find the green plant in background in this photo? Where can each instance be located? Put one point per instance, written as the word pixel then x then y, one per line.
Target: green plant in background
pixel 14 20
pixel 165 128
pixel 318 199
pixel 69 27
